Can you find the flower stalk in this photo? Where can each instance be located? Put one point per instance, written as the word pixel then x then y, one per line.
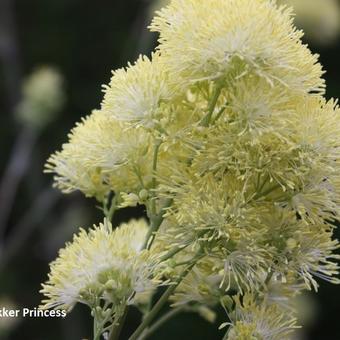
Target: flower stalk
pixel 164 298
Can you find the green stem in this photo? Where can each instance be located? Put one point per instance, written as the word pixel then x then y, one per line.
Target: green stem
pixel 213 101
pixel 118 326
pixel 166 317
pixel 96 334
pixel 263 183
pixel 177 249
pixel 269 277
pixel 159 128
pixel 219 113
pixel 100 320
pixel 154 172
pixel 109 212
pixel 226 334
pixel 172 252
pixel 164 298
pixel 97 326
pixel 266 192
pixel 156 221
pixel 138 174
pixel 154 311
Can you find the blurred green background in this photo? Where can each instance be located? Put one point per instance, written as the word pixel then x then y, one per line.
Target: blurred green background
pixel 84 40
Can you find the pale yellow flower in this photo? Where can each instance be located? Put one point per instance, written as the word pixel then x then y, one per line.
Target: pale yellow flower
pixel 257 320
pixel 135 93
pixel 102 155
pixel 300 251
pixel 202 285
pixel 100 264
pixel 207 39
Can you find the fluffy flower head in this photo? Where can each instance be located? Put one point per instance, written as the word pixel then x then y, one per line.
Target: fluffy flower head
pixel 206 39
pixel 251 320
pixel 100 263
pixel 99 157
pixel 43 96
pixel 135 93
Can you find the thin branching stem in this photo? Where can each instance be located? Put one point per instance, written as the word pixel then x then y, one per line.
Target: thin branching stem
pixel 162 320
pixel 220 113
pixel 118 326
pixel 164 298
pixel 154 174
pixel 178 249
pixel 156 222
pixel 212 104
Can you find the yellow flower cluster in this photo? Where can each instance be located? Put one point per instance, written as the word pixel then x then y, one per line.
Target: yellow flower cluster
pixel 225 136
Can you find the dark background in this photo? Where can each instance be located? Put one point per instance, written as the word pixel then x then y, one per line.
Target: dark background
pixel 85 40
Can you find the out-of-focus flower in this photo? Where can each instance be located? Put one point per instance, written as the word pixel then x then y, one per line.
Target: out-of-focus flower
pixel 42 98
pixel 8 323
pixel 320 19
